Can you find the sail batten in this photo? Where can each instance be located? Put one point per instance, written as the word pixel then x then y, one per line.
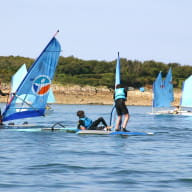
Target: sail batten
pixel 35 87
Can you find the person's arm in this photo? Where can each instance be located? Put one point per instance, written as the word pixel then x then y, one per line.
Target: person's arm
pixel 80 125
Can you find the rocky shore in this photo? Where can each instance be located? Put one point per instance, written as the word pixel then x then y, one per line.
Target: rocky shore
pixel 97 95
pixel 103 95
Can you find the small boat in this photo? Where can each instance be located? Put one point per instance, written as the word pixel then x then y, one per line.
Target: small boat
pixel 186 99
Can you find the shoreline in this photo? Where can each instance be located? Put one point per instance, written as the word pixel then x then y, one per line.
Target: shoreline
pixel 98 95
pixel 103 95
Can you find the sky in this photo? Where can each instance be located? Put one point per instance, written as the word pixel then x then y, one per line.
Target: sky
pixel 159 30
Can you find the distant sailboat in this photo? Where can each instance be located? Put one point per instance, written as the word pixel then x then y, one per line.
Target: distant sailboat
pixel 186 98
pixel 163 92
pixel 35 85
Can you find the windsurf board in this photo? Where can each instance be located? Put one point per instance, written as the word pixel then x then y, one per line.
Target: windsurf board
pixel 102 132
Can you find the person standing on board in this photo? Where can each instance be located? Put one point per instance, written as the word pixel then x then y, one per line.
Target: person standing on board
pixel 86 123
pixel 120 96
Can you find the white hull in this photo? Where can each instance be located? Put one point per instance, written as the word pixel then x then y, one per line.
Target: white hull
pixel 172 112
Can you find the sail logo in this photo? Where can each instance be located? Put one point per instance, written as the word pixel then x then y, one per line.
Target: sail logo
pixel 41 85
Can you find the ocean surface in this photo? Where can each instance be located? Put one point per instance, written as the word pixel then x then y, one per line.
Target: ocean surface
pixel 48 161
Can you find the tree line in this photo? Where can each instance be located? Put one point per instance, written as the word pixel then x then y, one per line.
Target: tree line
pixel 71 70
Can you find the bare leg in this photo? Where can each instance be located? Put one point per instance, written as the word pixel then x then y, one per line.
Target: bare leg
pixel 118 121
pixel 126 119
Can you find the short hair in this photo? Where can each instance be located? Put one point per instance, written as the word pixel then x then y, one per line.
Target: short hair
pixel 80 114
pixel 118 86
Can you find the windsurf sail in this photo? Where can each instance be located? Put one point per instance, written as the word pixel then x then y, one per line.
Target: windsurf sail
pixel 36 85
pixel 118 71
pixel 117 81
pixel 17 79
pixel 186 99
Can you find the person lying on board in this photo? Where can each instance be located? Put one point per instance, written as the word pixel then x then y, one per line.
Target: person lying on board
pixel 120 96
pixel 86 123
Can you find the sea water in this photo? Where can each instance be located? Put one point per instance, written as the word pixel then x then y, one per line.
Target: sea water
pixel 57 161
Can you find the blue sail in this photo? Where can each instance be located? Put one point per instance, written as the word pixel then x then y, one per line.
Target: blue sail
pixel 36 85
pixel 159 93
pixel 163 90
pixel 16 80
pixel 186 100
pixel 169 86
pixel 156 90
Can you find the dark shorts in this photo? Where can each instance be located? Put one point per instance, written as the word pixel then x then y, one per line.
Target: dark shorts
pixel 121 108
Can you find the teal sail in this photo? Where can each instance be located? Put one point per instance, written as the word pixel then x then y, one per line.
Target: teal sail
pixel 51 97
pixel 16 80
pixel 18 77
pixel 117 73
pixel 36 84
pixel 186 99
